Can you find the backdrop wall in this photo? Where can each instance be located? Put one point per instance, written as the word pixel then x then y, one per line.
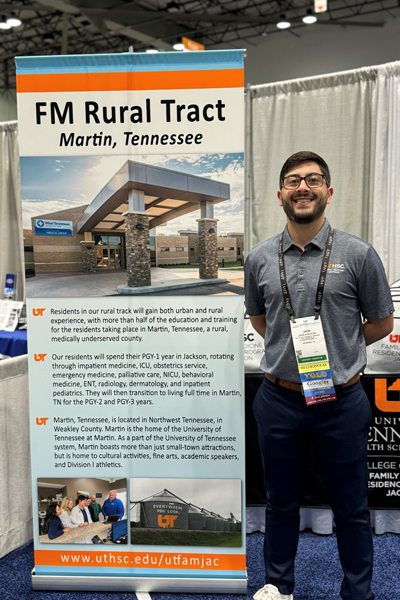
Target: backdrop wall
pixel 322 49
pixel 8 105
pixel 352 119
pixel 11 233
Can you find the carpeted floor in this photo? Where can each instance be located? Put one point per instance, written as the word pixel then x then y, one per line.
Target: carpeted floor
pixel 318 572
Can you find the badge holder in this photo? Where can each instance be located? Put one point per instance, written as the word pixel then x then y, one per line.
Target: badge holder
pixel 308 338
pixel 312 360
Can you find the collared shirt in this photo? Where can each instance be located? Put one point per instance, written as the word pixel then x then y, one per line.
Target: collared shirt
pixel 113 507
pixel 355 285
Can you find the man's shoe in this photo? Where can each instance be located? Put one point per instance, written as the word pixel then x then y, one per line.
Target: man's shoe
pixel 271 592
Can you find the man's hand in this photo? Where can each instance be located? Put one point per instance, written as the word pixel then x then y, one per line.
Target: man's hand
pixel 259 324
pixel 376 329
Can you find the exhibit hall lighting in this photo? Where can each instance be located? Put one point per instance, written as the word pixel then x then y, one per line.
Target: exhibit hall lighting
pixel 283 24
pixel 178 46
pixel 309 19
pixel 151 51
pixel 4 24
pixel 14 22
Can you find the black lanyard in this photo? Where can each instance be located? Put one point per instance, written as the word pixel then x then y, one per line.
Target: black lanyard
pixel 321 281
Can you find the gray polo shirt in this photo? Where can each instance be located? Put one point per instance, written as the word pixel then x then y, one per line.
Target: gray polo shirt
pixel 355 284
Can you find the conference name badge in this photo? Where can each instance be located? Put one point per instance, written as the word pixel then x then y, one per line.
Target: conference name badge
pixel 312 360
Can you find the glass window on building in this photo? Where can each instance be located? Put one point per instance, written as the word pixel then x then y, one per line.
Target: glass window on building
pixel 114 240
pixel 191 249
pixel 221 248
pixel 179 249
pixel 231 248
pixel 101 240
pixel 164 249
pixel 107 240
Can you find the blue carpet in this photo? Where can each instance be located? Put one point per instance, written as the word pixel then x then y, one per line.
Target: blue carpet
pixel 318 572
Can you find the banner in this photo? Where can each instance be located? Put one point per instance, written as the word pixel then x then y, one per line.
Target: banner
pixel 384 441
pixel 132 184
pixel 384 355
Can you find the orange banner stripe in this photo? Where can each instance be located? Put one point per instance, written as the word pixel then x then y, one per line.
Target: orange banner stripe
pixel 142 560
pixel 102 82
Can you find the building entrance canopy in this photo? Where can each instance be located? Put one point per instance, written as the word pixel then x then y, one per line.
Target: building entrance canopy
pixel 168 194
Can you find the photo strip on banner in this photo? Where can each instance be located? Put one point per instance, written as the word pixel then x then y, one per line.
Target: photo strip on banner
pixel 132 173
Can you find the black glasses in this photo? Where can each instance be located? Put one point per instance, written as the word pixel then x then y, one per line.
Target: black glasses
pixel 313 180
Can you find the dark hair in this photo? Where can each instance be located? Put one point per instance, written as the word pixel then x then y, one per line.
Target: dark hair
pixel 50 515
pixel 303 156
pixel 81 497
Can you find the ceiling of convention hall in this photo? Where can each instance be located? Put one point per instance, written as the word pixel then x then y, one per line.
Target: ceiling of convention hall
pixel 98 26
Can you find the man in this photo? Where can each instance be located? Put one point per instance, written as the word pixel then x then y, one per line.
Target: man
pixel 284 283
pixel 94 509
pixel 80 515
pixel 112 506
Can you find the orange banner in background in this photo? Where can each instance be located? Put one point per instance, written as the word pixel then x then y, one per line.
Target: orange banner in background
pixel 192 45
pixel 143 560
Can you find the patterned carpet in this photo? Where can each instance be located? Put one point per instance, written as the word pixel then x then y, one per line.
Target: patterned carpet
pixel 318 573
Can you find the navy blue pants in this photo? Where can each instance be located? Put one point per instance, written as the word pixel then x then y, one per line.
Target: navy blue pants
pixel 339 433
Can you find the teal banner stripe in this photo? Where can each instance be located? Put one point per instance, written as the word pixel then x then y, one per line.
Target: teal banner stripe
pixel 127 572
pixel 131 62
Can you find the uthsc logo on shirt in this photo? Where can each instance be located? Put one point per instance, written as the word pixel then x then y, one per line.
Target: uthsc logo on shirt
pixel 336 268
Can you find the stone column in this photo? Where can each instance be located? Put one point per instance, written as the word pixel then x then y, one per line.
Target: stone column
pixel 208 248
pixel 137 251
pixel 88 257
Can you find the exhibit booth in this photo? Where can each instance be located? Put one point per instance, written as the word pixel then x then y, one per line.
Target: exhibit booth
pixel 352 119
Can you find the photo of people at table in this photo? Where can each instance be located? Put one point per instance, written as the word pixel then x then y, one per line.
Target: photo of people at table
pixel 82 510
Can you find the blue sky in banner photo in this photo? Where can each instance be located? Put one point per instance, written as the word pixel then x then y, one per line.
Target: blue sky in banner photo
pixel 51 184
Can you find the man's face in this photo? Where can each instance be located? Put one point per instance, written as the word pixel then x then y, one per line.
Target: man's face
pixel 93 499
pixel 112 495
pixel 305 205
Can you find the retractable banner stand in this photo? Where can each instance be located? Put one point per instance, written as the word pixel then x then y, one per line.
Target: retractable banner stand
pixel 132 177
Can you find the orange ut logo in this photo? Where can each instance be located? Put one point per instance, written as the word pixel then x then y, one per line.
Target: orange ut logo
pixel 166 521
pixel 394 338
pixel 381 400
pixel 39 357
pixel 38 312
pixel 41 420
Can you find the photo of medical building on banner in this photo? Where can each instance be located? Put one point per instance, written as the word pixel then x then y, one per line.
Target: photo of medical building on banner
pixel 146 217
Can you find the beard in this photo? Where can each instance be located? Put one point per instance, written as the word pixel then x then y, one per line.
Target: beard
pixel 310 216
